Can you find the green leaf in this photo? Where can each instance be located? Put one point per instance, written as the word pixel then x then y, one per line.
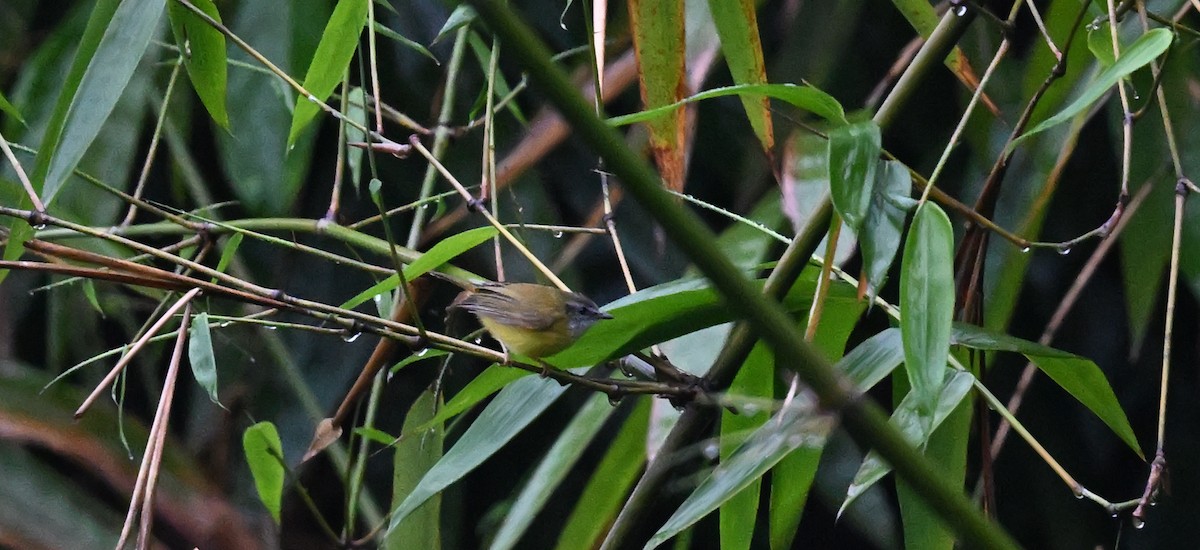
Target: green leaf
pixel 423 355
pixel 976 337
pixel 756 378
pixel 479 388
pixel 1099 41
pixel 511 411
pixel 375 434
pixel 947 450
pixel 356 102
pixel 853 157
pixel 464 14
pixel 264 455
pixel 807 98
pixel 927 302
pixel 670 310
pixel 1081 377
pixel 556 463
pixel 404 41
pixel 206 63
pixel 89 291
pixel 229 252
pixel 202 357
pixel 874 359
pixel 12 111
pixel 1085 381
pixel 445 250
pixel 89 41
pixel 884 223
pixel 108 71
pixel 483 55
pixel 413 459
pixel 329 63
pixel 793 428
pixel 737 25
pixel 805 177
pixel 606 488
pixel 916 426
pixel 1140 53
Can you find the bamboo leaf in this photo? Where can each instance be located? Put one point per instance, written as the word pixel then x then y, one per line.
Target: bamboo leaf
pixel 328 67
pixel 264 455
pixel 202 357
pixel 108 71
pixel 808 98
pixel 1140 53
pixel 511 411
pixel 853 157
pixel 927 301
pixel 884 223
pixel 206 63
pixel 737 25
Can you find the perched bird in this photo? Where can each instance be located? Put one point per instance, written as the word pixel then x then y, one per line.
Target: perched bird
pixel 529 319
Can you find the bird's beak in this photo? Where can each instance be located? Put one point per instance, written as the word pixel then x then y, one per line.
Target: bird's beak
pixel 602 315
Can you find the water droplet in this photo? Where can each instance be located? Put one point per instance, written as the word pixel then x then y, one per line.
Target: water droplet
pixel 270 327
pixel 425 206
pixel 679 407
pixel 711 451
pixel 614 400
pixel 421 352
pixel 558 234
pixel 348 337
pixel 1025 250
pixel 626 370
pixel 39 227
pixel 1063 250
pixel 960 11
pixel 1116 515
pixel 225 324
pixel 478 339
pixel 750 409
pixel 1138 523
pixel 1079 495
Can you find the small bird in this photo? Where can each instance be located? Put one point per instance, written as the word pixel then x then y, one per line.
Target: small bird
pixel 530 319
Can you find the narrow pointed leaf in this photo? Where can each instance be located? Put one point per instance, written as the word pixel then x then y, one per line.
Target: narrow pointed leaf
pixel 853 157
pixel 117 55
pixel 12 111
pixel 264 455
pixel 201 356
pixel 884 223
pixel 927 302
pixel 1140 53
pixel 329 63
pixel 755 379
pixel 737 25
pixel 413 458
pixel 916 426
pixel 807 98
pixel 1079 376
pixel 797 428
pixel 98 23
pixel 445 250
pixel 206 64
pixel 555 465
pixel 606 489
pixel 947 450
pixel 511 411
